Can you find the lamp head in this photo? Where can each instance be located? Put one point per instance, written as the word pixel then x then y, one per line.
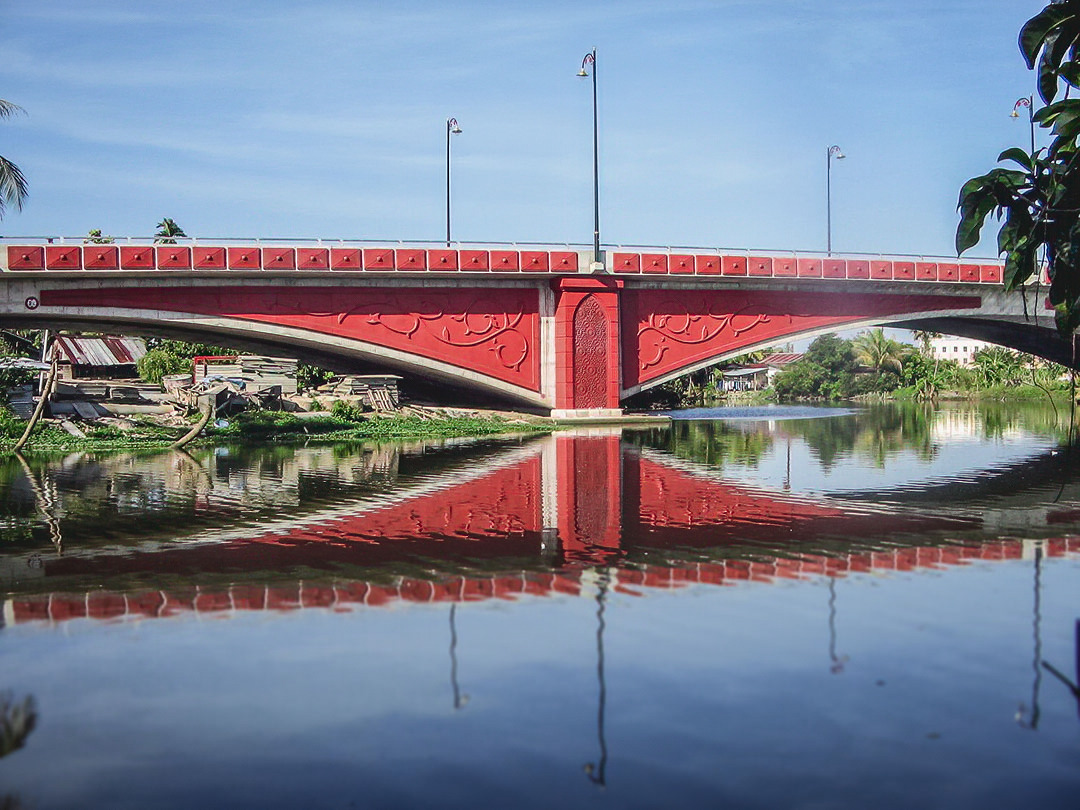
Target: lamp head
pixel 836 152
pixel 1014 113
pixel 583 73
pixel 452 126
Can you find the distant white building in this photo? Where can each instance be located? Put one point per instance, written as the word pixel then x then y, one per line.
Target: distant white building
pixel 962 350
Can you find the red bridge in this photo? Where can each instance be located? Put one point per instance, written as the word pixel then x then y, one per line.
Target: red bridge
pixel 530 325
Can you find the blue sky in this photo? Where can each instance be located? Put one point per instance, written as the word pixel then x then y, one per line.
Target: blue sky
pixel 327 118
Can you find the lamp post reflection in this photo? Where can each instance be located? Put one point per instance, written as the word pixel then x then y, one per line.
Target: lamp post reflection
pixel 460 700
pixel 1057 673
pixel 1036 664
pixel 838 661
pixel 597 772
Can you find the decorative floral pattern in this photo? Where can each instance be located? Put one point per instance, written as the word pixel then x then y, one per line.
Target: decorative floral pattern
pixel 677 324
pixel 590 354
pixel 502 333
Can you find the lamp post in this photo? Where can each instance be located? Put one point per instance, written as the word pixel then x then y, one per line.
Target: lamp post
pixel 598 261
pixel 1026 102
pixel 831 152
pixel 452 128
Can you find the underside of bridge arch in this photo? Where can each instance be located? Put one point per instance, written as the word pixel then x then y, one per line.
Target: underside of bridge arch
pixel 1031 338
pixel 445 384
pixel 1040 341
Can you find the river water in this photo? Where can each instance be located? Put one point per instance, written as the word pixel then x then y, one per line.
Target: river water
pixel 872 607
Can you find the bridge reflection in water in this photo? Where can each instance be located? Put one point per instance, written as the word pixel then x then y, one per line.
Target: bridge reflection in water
pixel 552 516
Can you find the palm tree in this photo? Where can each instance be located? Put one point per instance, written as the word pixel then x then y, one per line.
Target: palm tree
pixel 878 352
pixel 13 188
pixel 168 231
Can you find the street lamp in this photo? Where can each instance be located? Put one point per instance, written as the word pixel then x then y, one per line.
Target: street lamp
pixel 1026 102
pixel 830 153
pixel 452 128
pixel 598 261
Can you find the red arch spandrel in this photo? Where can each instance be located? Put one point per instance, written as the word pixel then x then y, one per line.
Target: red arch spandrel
pixel 493 331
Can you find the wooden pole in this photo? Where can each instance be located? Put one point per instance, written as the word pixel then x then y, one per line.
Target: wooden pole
pixel 46 394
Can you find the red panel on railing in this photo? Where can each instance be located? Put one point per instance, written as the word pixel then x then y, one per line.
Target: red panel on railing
pixel 279 258
pixel 474 260
pixel 760 266
pixel 833 268
pixel 410 259
pixel 137 258
pixel 880 269
pixel 101 257
pixel 969 272
pixel 925 271
pixel 733 265
pixel 707 265
pixel 347 259
pixel 903 271
pixel 379 259
pixel 505 260
pixel 312 258
pixel 62 257
pixel 654 262
pixel 809 268
pixel 173 257
pixel 785 267
pixel 948 272
pixel 442 259
pixel 210 258
pixel 244 258
pixel 626 263
pixel 534 261
pixel 858 268
pixel 990 273
pixel 26 258
pixel 565 261
pixel 678 263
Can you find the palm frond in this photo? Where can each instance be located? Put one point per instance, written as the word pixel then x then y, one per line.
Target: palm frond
pixel 8 109
pixel 13 187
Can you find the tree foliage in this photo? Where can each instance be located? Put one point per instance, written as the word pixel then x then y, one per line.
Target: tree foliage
pixel 159 363
pixel 874 350
pixel 13 186
pixel 168 232
pixel 1038 198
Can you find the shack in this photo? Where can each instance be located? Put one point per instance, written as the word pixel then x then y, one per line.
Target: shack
pixel 104 357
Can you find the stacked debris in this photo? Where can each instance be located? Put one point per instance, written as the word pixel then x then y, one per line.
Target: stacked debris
pixel 255 372
pixel 376 392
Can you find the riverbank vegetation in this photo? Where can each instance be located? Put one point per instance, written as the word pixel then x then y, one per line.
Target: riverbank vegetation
pixel 834 368
pixel 261 426
pixel 873 365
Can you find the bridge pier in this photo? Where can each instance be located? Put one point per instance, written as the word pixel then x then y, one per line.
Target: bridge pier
pixel 588 360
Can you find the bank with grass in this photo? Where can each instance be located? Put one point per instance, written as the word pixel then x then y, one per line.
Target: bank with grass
pixel 345 424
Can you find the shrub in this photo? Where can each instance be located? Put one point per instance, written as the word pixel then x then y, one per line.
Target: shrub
pixel 158 363
pixel 348 411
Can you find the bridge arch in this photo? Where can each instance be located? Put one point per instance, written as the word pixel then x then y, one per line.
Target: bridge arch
pixel 1031 338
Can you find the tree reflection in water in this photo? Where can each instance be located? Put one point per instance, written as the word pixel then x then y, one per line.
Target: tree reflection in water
pixel 876 433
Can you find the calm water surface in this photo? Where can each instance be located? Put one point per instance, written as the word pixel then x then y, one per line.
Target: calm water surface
pixel 877 608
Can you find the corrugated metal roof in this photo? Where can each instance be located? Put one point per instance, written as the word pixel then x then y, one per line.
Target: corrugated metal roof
pixel 780 359
pixel 100 351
